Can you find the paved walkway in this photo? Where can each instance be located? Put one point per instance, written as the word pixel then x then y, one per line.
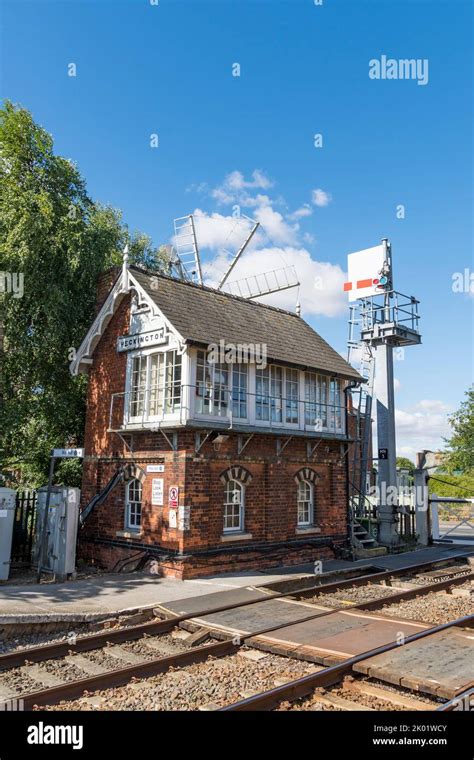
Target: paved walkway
pixel 97 597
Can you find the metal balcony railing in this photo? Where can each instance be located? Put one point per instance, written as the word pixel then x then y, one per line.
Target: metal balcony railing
pixel 175 404
pixel 401 310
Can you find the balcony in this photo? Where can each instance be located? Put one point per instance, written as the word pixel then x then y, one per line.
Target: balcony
pixel 173 405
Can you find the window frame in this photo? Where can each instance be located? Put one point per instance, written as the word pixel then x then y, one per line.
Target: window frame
pixel 241 511
pixel 166 401
pixel 273 396
pixel 136 526
pixel 216 393
pixel 310 509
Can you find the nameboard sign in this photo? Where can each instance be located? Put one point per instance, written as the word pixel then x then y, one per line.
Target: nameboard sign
pixel 155 468
pixel 141 340
pixel 157 491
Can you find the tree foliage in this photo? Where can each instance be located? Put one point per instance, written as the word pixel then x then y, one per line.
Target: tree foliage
pixel 406 464
pixel 460 447
pixel 59 240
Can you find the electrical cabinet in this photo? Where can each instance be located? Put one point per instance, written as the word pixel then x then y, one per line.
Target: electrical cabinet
pixel 7 518
pixel 58 553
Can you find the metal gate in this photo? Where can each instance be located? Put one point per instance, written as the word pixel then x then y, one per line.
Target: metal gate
pixel 23 527
pixel 456 527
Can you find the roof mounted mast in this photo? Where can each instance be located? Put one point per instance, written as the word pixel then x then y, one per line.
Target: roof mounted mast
pixel 187 250
pixel 239 252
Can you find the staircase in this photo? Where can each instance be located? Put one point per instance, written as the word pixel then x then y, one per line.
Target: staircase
pixel 364 544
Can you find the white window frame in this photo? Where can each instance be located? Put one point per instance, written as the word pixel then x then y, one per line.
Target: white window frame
pixel 324 395
pixel 230 503
pixel 278 377
pixel 309 487
pixel 219 391
pixel 134 525
pixel 147 393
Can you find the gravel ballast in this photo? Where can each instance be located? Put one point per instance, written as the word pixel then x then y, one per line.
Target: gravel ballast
pixel 436 607
pixel 352 595
pixel 207 685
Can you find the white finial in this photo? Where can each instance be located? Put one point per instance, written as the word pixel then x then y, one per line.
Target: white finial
pixel 298 309
pixel 125 268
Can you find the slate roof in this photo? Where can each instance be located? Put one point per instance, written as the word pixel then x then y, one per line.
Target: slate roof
pixel 203 315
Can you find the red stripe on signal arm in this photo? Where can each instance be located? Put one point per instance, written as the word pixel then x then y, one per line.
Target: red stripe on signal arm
pixel 364 283
pixel 348 286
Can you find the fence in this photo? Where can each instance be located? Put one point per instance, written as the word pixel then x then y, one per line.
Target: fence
pixel 24 527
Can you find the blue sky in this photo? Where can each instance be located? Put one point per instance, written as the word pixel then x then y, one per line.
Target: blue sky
pixel 166 69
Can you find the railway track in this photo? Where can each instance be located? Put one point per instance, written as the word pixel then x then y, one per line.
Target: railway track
pixel 49 674
pixel 305 687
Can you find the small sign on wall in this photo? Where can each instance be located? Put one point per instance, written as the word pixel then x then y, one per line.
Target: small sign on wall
pixel 172 519
pixel 184 518
pixel 155 468
pixel 173 497
pixel 157 490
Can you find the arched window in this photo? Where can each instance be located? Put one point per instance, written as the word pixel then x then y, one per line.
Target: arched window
pixel 305 503
pixel 133 505
pixel 234 507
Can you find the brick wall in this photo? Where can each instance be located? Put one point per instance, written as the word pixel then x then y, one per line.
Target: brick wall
pixel 270 496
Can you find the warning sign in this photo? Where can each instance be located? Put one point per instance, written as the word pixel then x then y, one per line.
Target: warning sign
pixel 173 496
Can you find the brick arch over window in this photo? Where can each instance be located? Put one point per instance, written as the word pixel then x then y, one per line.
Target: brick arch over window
pixel 236 473
pixel 306 473
pixel 134 472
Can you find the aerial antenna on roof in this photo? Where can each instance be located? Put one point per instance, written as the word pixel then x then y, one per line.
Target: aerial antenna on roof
pixel 185 262
pixel 240 251
pixel 186 249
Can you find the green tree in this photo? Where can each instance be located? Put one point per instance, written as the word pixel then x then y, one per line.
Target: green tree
pixel 406 464
pixel 460 447
pixel 55 238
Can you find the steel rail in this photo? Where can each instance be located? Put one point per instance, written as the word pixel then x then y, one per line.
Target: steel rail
pixel 301 687
pixel 121 676
pixel 132 633
pixel 462 702
pixel 400 596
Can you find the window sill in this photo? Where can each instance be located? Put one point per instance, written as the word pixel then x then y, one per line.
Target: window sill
pixel 129 533
pixel 236 537
pixel 301 531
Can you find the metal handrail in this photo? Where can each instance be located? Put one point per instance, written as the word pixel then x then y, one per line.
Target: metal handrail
pixel 374 312
pixel 185 411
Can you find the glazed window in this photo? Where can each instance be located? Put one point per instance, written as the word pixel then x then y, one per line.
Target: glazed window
pixel 324 402
pixel 269 394
pixel 239 391
pixel 234 507
pixel 305 503
pixel 133 505
pixel 291 396
pixel 212 386
pixel 155 384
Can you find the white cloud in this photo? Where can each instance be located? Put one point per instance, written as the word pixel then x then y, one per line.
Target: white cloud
pixel 422 426
pixel 304 210
pixel 216 232
pixel 279 242
pixel 320 197
pixel 431 405
pixel 234 188
pixel 320 291
pixel 396 384
pixel 275 227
